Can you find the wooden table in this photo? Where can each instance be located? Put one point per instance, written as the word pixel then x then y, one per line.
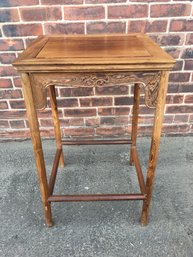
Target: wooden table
pixel 94 61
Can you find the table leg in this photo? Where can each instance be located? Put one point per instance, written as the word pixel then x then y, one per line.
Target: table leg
pixel 134 121
pixel 37 145
pixel 55 116
pixel 155 140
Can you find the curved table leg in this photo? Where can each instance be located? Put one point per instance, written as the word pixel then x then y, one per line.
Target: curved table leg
pixel 155 140
pixel 56 121
pixel 37 145
pixel 134 121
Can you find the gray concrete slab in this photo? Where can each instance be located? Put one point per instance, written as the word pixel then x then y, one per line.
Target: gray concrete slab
pixel 105 229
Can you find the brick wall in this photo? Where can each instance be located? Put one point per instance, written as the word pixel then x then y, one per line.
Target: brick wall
pixel 103 111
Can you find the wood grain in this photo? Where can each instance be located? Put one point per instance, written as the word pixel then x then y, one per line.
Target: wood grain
pixel 94 60
pixel 58 137
pixel 155 141
pixel 37 145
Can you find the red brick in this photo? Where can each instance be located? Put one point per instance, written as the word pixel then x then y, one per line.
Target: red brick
pixel 17 124
pixel 170 10
pixel 63 122
pixel 15 134
pixel 191 118
pixel 64 28
pixel 71 102
pixel 123 100
pixel 22 30
pixel 156 26
pixel 113 111
pixel 149 1
pixel 17 82
pixel 7 15
pixel 10 3
pixel 79 112
pixel 179 109
pixel 145 119
pixel 171 40
pixel 179 77
pixel 113 131
pixel 7 58
pixel 47 113
pixel 189 39
pixel 10 94
pixel 19 104
pixel 174 99
pixel 188 65
pixel 93 122
pixel 79 131
pixel 12 114
pixel 174 52
pixel 188 53
pixel 181 25
pixel 46 123
pixel 11 44
pixel 175 128
pixel 185 88
pixel 178 65
pixel 3 105
pixel 28 41
pixel 84 13
pixel 114 120
pixel 112 90
pixel 145 110
pixel 54 2
pixel 181 118
pixel 106 27
pixel 102 101
pixel 72 122
pixel 144 130
pixel 41 14
pixel 79 91
pixel 147 26
pixel 168 40
pixel 104 1
pixel 5 83
pixel 168 118
pixel 4 124
pixel 188 99
pixel 136 26
pixel 127 11
pixel 6 71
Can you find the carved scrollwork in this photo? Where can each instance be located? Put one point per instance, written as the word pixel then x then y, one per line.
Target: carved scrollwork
pixel 149 80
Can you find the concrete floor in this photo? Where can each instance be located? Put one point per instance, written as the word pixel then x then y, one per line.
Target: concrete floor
pixel 99 229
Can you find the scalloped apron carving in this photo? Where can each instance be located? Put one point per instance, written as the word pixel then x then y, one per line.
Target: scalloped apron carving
pixel 149 80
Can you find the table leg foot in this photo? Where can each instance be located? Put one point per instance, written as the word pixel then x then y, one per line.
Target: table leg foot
pixel 144 218
pixel 61 162
pixel 48 215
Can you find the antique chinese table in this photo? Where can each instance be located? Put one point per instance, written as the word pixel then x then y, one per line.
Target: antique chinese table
pixel 94 61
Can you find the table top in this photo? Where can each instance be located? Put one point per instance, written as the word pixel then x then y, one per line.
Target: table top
pixel 61 52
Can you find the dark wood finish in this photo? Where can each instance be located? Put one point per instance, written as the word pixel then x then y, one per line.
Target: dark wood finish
pixel 97 142
pixel 54 171
pixel 139 171
pixel 134 121
pixel 57 131
pixel 98 197
pixel 94 60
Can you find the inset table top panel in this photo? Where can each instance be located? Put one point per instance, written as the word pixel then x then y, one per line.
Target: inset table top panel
pixel 131 51
pixel 93 47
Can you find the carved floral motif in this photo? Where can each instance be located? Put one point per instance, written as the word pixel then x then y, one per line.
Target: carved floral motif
pixel 149 80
